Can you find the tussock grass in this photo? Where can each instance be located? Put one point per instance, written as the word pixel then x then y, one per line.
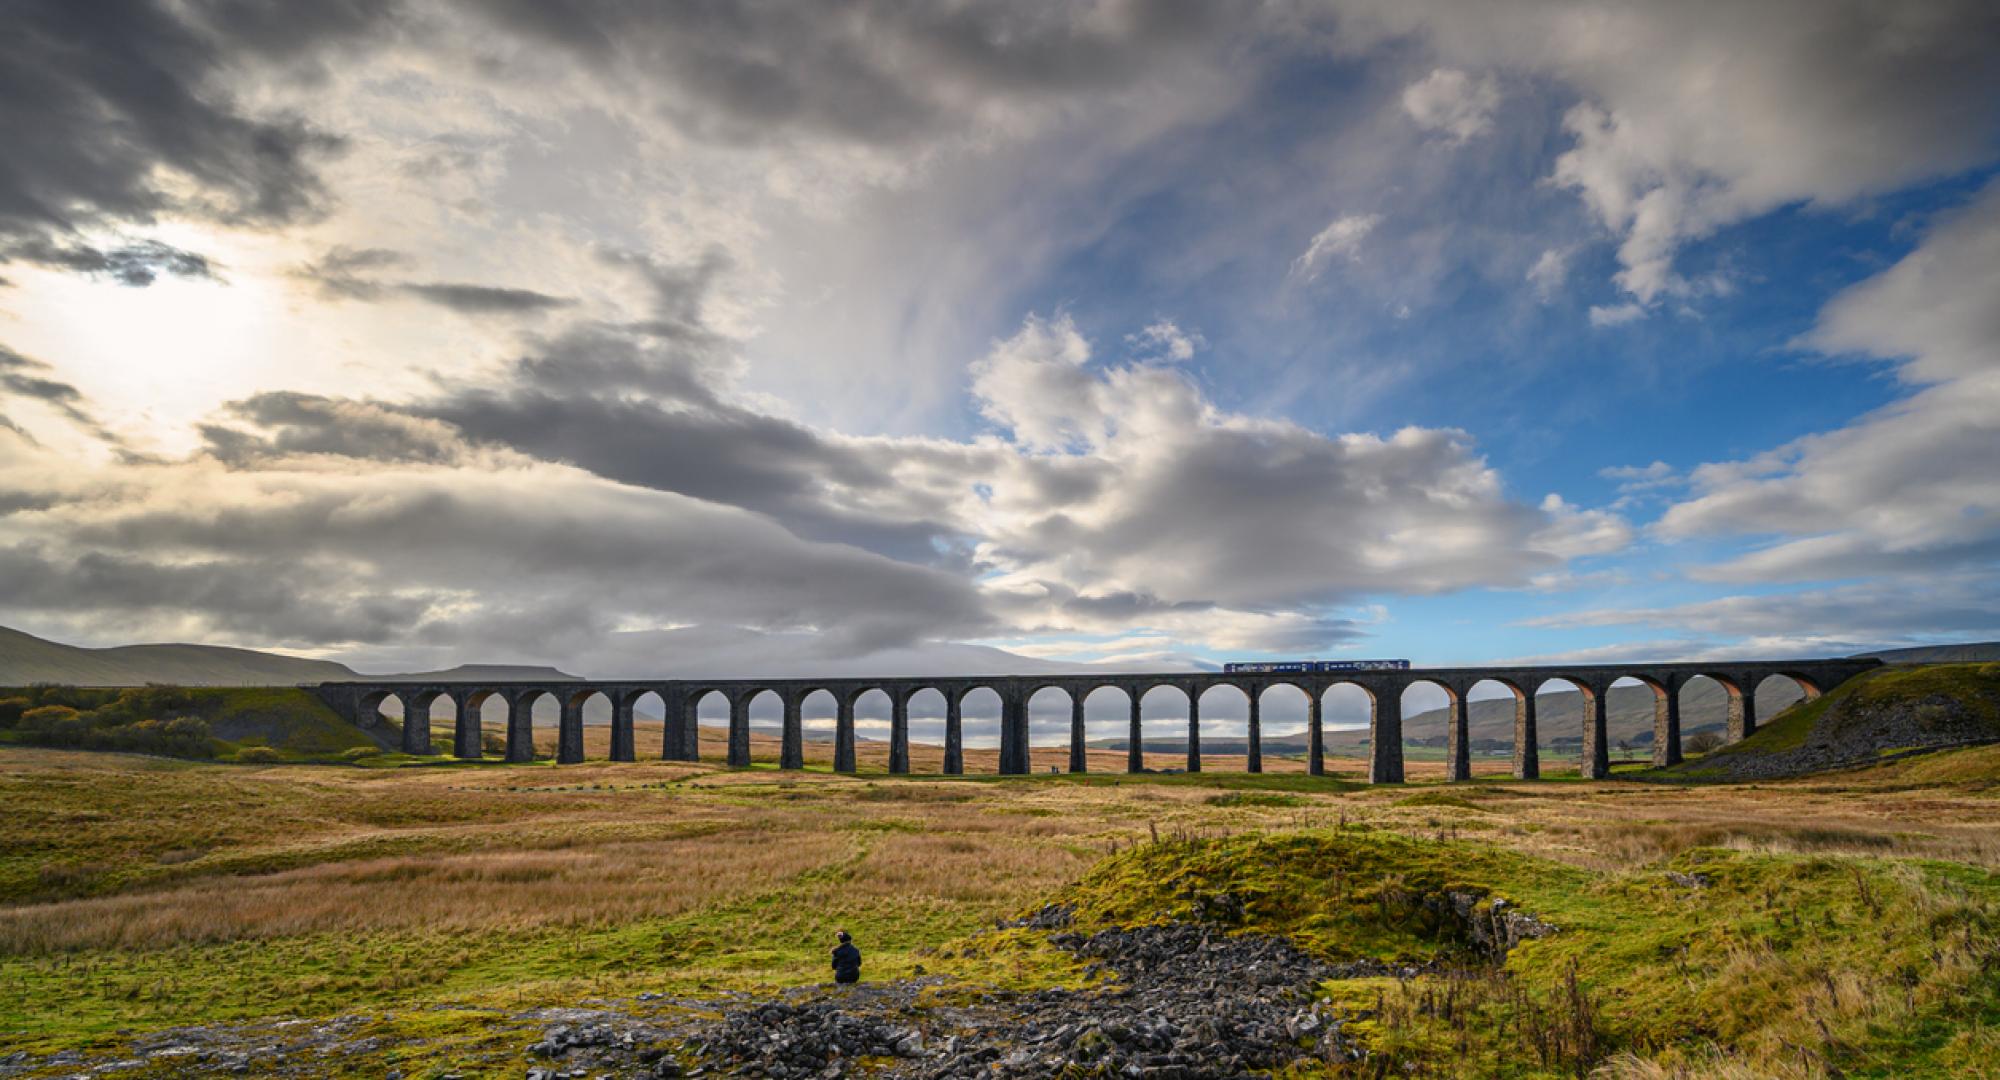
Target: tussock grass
pixel 139 893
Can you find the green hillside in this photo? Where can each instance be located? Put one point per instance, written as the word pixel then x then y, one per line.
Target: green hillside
pixel 1883 713
pixel 234 723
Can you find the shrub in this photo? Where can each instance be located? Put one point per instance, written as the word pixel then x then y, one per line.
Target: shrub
pixel 259 755
pixel 1701 742
pixel 11 710
pixel 49 717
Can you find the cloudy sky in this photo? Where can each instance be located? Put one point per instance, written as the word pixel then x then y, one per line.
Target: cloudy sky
pixel 754 337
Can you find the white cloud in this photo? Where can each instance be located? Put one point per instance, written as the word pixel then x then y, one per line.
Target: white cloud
pixel 1165 340
pixel 1549 273
pixel 1847 618
pixel 1142 504
pixel 1034 384
pixel 1636 478
pixel 1909 487
pixel 1702 114
pixel 1452 102
pixel 1342 237
pixel 1616 314
pixel 1573 532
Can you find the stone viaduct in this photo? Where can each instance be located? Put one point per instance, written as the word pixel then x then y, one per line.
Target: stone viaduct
pixel 359 701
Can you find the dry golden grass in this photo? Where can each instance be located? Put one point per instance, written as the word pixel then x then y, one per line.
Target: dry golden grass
pixel 735 876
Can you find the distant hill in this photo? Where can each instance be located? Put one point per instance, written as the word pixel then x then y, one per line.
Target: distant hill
pixel 26 660
pixel 488 673
pixel 1970 652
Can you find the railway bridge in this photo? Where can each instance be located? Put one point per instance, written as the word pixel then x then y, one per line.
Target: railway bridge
pixel 360 700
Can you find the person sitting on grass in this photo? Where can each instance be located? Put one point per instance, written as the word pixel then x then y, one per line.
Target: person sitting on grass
pixel 846 960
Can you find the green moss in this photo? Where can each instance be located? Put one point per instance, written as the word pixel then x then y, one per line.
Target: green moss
pixel 1440 798
pixel 1643 963
pixel 1347 894
pixel 1257 798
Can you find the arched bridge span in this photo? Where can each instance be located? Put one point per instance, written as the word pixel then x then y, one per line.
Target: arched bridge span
pixel 358 701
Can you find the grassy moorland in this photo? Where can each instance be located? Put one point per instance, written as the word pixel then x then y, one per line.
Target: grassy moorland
pixel 1839 925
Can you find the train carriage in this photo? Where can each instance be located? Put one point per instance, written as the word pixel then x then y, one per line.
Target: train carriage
pixel 1305 667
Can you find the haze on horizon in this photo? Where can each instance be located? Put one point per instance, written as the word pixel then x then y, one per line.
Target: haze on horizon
pixel 411 333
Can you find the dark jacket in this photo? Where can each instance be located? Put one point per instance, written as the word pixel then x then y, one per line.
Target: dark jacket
pixel 846 963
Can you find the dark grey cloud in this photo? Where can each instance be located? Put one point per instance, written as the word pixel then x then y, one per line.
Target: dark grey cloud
pixel 254 598
pixel 481 299
pixel 138 263
pixel 679 289
pixel 115 111
pixel 515 555
pixel 641 402
pixel 24 378
pixel 345 273
pixel 287 424
pixel 874 72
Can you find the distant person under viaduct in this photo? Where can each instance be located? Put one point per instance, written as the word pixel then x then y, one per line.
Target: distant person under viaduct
pixel 360 701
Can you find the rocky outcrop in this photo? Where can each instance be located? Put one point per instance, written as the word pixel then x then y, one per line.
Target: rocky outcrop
pixel 1181 1000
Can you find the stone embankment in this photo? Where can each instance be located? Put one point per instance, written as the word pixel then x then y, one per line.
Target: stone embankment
pixel 1867 726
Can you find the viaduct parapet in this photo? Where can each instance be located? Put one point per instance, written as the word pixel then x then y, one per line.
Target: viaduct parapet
pixel 360 701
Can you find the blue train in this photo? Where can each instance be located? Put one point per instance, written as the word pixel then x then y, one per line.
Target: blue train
pixel 1301 667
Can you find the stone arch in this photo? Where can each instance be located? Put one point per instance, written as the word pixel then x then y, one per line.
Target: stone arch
pixel 1316 726
pixel 569 735
pixel 871 720
pixel 707 707
pixel 987 722
pixel 1207 715
pixel 1593 759
pixel 1290 710
pixel 1128 721
pixel 1456 737
pixel 750 701
pixel 1665 747
pixel 1775 691
pixel 422 704
pixel 475 720
pixel 1057 722
pixel 1809 685
pixel 926 708
pixel 1739 709
pixel 815 711
pixel 369 713
pixel 627 708
pixel 521 711
pixel 1166 695
pixel 1527 753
